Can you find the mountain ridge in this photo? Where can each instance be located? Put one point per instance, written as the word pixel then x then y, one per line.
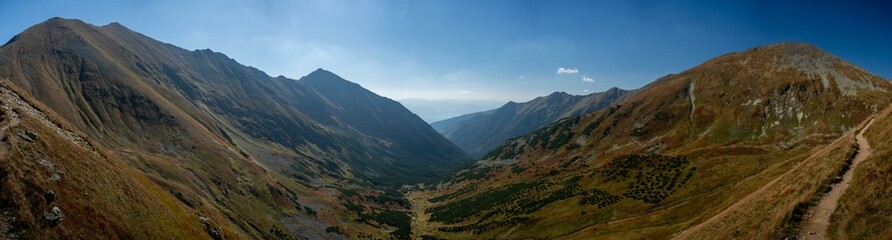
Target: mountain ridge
pixel 480 133
pixel 252 152
pixel 734 123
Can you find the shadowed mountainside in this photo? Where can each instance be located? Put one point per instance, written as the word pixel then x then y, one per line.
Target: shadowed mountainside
pixel 479 133
pixel 263 157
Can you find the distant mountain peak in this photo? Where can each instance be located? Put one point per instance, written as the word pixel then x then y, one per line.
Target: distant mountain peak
pixel 324 78
pixel 559 93
pixel 322 73
pixel 113 24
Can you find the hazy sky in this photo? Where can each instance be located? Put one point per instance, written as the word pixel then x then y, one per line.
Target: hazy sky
pixel 501 50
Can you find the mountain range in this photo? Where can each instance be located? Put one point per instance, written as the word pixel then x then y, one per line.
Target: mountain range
pixel 733 148
pixel 434 110
pixel 479 133
pixel 246 151
pixel 109 134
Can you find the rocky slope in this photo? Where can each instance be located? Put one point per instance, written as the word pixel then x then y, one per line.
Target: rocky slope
pixel 479 133
pixel 777 120
pixel 268 156
pixel 56 184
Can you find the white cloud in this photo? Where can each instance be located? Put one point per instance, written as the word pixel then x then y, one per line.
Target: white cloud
pixel 464 92
pixel 586 90
pixel 567 70
pixel 587 79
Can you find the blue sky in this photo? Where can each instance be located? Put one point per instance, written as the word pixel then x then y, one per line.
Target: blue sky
pixel 498 50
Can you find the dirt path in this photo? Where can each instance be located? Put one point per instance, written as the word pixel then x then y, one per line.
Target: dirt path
pixel 816 223
pixel 687 233
pixel 8 119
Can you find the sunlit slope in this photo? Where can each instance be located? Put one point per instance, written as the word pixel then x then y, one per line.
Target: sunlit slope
pixel 676 154
pixel 45 164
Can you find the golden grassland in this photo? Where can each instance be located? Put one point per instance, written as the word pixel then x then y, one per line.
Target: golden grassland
pixel 763 137
pixel 97 195
pixel 241 199
pixel 865 208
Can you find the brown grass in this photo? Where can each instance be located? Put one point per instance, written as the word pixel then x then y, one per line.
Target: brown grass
pixel 865 208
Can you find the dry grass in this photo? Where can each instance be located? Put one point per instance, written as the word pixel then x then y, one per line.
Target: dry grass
pixel 99 196
pixel 757 124
pixel 864 210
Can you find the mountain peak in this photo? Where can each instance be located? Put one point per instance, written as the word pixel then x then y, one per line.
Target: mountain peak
pixel 60 22
pixel 558 94
pixel 52 25
pixel 790 49
pixel 322 75
pixel 321 78
pixel 319 72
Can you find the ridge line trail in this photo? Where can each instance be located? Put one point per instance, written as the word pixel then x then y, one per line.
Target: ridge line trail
pixel 818 220
pixel 687 233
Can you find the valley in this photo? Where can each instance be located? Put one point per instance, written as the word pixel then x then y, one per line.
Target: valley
pixel 754 183
pixel 106 133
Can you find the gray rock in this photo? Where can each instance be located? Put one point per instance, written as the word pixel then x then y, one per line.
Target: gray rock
pixel 28 136
pixel 54 215
pixel 204 220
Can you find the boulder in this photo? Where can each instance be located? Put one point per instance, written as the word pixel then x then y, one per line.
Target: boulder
pixel 54 216
pixel 28 136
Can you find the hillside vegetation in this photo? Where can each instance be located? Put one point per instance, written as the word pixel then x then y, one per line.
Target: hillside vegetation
pixel 724 150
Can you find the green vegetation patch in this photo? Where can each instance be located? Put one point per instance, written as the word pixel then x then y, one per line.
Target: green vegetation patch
pixel 397 219
pixel 650 178
pixel 510 205
pixel 489 201
pixel 457 193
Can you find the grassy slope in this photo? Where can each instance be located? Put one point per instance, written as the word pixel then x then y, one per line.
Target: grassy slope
pixel 98 194
pixel 738 145
pixel 140 98
pixel 864 209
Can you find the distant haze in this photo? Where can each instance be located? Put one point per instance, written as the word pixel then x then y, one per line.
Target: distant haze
pixel 439 109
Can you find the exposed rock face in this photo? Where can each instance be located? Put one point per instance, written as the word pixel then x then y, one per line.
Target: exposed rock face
pixel 847 78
